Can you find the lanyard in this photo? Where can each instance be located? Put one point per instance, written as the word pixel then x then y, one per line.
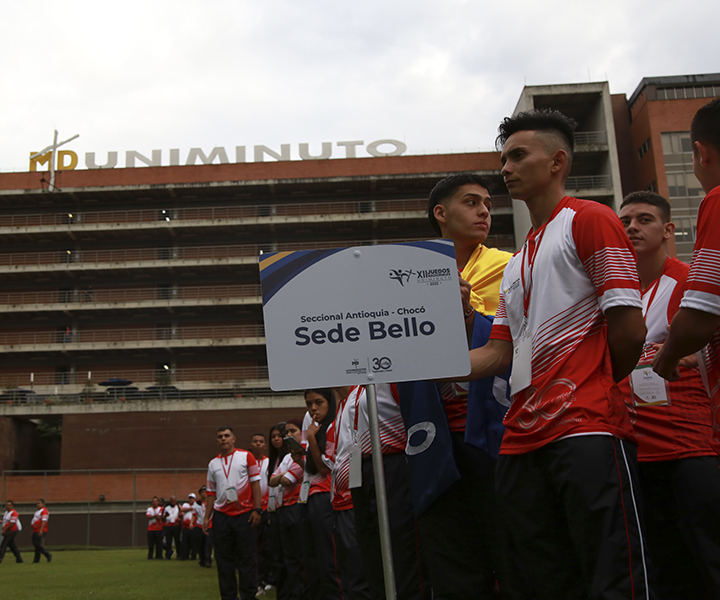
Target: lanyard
pixel 357 401
pixel 655 287
pixel 229 469
pixel 530 256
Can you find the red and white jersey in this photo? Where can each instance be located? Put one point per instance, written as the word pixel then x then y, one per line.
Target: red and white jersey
pixel 236 470
pixel 318 482
pixel 339 489
pixel 702 293
pixel 172 515
pixel 156 523
pixel 264 488
pixel 683 427
pixel 294 473
pixel 10 517
pixel 351 422
pixel 198 513
pixel 393 438
pixel 343 439
pixel 40 519
pixel 568 273
pixel 187 516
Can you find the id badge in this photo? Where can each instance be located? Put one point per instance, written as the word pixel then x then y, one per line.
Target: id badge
pixel 521 375
pixel 280 497
pixel 304 492
pixel 272 504
pixel 231 494
pixel 355 464
pixel 649 388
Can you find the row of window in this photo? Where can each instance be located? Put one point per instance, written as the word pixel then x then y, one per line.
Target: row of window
pixel 690 91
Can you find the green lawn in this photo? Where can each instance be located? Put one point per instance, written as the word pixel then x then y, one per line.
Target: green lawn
pixel 107 575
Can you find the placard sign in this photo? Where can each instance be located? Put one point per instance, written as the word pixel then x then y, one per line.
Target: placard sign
pixel 368 314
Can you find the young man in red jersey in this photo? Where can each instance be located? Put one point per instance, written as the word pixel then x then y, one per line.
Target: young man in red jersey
pixel 673 423
pixel 696 324
pixel 40 527
pixel 570 320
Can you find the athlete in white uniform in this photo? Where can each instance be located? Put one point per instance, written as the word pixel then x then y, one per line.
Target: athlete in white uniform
pixel 354 432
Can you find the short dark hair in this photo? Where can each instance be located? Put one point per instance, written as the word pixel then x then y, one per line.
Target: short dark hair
pixel 647 197
pixel 262 435
pixel 447 187
pixel 225 428
pixel 41 500
pixel 705 126
pixel 547 120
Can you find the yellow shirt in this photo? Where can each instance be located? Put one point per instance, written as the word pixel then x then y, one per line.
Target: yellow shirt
pixel 484 271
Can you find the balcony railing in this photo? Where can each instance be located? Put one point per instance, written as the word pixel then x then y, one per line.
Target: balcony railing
pixel 218 214
pixel 78 338
pixel 210 214
pixel 117 257
pixel 119 296
pixel 591 137
pixel 208 377
pixel 589 182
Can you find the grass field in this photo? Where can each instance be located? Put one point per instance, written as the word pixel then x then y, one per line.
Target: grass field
pixel 107 575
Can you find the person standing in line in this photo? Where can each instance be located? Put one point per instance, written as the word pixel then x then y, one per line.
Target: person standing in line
pixel 696 325
pixel 188 523
pixel 321 568
pixel 411 578
pixel 337 458
pixel 10 527
pixel 40 528
pixel 154 515
pixel 172 527
pixel 258 448
pixel 233 481
pixel 290 517
pixel 467 547
pixel 570 321
pixel 673 423
pixel 203 536
pixel 277 452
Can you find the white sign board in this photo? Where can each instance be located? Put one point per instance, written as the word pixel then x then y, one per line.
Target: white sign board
pixel 369 314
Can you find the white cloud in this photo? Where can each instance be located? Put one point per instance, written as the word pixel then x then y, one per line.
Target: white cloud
pixel 438 75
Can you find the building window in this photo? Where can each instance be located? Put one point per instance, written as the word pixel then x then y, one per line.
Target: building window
pixel 644 148
pixel 677 142
pixel 688 92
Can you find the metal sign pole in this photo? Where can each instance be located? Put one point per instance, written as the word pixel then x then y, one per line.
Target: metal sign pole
pixel 380 495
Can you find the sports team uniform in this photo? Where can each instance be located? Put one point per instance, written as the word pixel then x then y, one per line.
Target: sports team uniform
pixel 453 479
pixel 229 482
pixel 352 574
pixel 566 433
pixel 291 518
pixel 203 543
pixel 10 529
pixel 172 528
pixel 353 432
pixel 39 525
pixel 187 549
pixel 321 570
pixel 155 531
pixel 703 293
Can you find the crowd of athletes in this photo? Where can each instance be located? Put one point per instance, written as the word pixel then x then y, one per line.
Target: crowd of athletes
pixel 597 478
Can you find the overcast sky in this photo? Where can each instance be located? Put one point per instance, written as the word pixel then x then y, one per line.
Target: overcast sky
pixel 437 75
